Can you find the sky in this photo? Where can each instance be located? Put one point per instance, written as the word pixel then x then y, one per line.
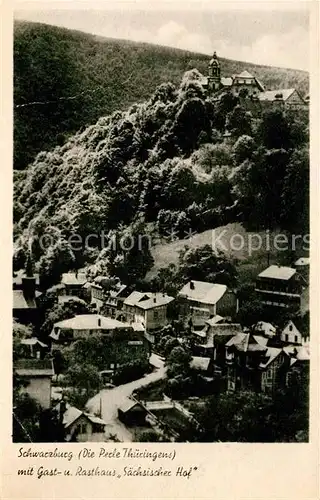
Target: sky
pixel 276 35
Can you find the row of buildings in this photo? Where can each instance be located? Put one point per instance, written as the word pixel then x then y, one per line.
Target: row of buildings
pixel 246 85
pixel 260 358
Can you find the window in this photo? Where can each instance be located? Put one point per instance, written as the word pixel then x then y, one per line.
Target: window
pixel 82 428
pixel 269 375
pixel 155 315
pixel 286 337
pixel 296 338
pixel 290 328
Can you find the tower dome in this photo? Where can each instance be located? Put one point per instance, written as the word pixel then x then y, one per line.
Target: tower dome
pixel 214 61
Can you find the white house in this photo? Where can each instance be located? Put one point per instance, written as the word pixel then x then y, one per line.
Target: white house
pixel 80 426
pixel 37 374
pixel 146 308
pixel 291 335
pixel 201 301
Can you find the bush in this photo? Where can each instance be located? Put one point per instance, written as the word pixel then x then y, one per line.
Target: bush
pixel 131 371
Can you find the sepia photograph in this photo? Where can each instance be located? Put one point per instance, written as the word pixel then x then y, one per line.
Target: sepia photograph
pixel 161 245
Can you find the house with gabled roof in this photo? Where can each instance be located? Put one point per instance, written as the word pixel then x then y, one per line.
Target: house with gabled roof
pixel 80 426
pixel 236 83
pixel 282 97
pixel 272 368
pixel 201 300
pixel 244 353
pixel 292 335
pixel 147 308
pixel 73 283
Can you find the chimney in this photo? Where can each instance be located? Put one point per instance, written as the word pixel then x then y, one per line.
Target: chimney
pixel 155 299
pixel 62 410
pixel 29 287
pixel 99 321
pixel 191 285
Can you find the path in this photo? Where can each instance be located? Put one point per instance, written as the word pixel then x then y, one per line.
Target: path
pixel 109 400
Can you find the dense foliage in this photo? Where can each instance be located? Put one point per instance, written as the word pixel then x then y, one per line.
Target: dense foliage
pixel 102 75
pixel 162 164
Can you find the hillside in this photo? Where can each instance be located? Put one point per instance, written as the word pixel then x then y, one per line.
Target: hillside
pixel 101 75
pixel 165 165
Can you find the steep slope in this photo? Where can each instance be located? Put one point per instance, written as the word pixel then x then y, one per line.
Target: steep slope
pixel 161 164
pixel 82 77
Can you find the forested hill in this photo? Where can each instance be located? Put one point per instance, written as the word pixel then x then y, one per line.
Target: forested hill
pixel 163 164
pixel 101 75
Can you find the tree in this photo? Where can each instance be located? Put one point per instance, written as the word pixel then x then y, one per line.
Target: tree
pixel 84 380
pixel 58 259
pixel 204 264
pixel 191 120
pixel 238 121
pixel 274 130
pixel 19 332
pixel 250 314
pixel 148 436
pixel 243 149
pixel 295 193
pixel 59 312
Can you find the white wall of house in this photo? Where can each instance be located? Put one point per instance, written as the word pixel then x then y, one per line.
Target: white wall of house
pixel 291 334
pixel 84 428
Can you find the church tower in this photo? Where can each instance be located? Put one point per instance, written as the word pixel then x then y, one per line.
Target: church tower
pixel 214 74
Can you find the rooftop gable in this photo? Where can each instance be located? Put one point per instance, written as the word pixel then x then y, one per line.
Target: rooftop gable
pixel 90 322
pixel 272 95
pixel 202 291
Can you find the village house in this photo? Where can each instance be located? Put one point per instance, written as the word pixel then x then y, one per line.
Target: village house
pixel 83 325
pixel 273 368
pixel 25 300
pixel 123 342
pixel 291 335
pixel 73 283
pixel 265 328
pixel 282 98
pixel 298 371
pixel 107 295
pixel 210 340
pixel 244 353
pixel 279 286
pixel 302 266
pixel 33 348
pixel 37 375
pixel 148 309
pixel 200 301
pixel 80 426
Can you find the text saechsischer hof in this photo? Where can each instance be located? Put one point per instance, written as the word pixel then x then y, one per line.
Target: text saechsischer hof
pixel 117 463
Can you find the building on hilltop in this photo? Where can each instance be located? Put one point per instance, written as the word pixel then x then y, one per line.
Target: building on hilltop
pixel 289 98
pixel 243 83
